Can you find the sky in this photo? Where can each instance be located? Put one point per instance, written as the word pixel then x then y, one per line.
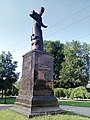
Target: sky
pixel 67 20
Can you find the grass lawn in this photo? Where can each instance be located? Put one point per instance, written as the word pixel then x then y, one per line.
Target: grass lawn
pixel 10 115
pixel 9 100
pixel 79 103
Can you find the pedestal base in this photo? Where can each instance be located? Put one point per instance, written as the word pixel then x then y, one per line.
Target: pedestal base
pixel 36 111
pixel 36 95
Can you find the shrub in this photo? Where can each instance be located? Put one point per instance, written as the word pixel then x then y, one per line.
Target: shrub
pixel 62 92
pixel 68 92
pixel 88 95
pixel 56 92
pixel 59 92
pixel 14 91
pixel 79 92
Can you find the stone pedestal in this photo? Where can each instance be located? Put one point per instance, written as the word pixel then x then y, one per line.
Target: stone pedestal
pixel 36 87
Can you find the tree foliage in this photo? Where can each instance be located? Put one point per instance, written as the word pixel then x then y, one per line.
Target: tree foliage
pixel 56 49
pixel 74 68
pixel 8 76
pixel 71 63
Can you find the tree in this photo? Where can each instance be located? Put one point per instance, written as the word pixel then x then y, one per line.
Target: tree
pixel 15 89
pixel 73 69
pixel 56 49
pixel 86 59
pixel 8 76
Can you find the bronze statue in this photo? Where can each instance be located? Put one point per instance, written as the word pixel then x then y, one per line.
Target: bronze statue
pixel 37 38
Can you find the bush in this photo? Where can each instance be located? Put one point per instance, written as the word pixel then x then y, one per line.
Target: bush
pixel 59 92
pixel 68 92
pixel 56 92
pixel 62 92
pixel 14 91
pixel 88 95
pixel 79 92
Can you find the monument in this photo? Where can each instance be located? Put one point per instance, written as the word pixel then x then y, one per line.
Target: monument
pixel 36 96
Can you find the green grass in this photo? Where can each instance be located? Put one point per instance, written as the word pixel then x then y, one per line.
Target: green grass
pixel 79 103
pixel 10 115
pixel 9 100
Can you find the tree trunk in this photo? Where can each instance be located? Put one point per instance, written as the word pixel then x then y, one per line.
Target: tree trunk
pixel 2 93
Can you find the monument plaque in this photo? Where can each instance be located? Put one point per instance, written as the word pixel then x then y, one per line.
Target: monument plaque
pixel 36 96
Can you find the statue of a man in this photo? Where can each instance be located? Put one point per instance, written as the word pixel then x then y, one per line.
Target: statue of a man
pixel 37 38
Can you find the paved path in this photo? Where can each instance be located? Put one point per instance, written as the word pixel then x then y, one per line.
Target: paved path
pixel 78 110
pixel 5 106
